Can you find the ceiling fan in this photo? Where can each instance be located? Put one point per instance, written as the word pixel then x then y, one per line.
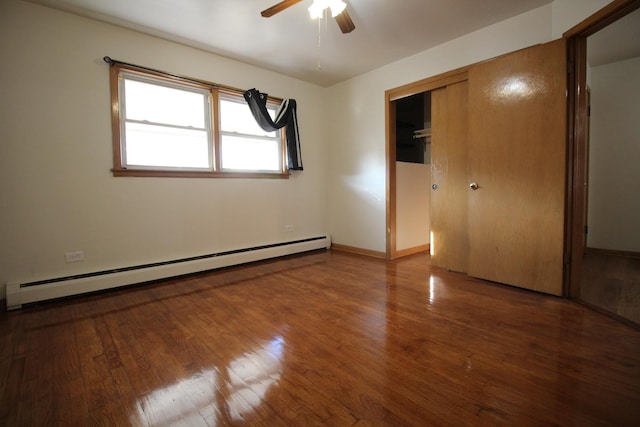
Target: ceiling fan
pixel 338 11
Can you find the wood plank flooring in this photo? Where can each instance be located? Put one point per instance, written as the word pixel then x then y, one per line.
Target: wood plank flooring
pixel 611 282
pixel 326 338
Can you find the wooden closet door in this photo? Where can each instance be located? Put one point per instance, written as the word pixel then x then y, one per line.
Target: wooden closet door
pixel 517 143
pixel 449 242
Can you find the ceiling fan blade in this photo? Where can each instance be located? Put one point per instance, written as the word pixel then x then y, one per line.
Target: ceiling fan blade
pixel 345 23
pixel 278 8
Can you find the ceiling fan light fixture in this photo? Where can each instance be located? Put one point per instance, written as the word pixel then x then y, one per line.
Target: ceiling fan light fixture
pixel 317 8
pixel 337 6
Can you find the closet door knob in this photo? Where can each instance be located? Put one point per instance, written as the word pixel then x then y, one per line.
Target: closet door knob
pixel 474 186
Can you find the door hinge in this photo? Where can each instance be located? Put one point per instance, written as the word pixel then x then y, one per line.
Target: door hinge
pixel 586 229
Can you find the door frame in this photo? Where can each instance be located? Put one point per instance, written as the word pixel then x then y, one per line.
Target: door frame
pixel 577 134
pixel 392 95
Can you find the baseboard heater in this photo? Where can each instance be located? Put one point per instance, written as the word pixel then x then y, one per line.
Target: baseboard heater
pixel 19 294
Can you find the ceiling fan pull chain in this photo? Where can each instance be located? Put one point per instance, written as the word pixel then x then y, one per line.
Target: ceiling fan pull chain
pixel 319 44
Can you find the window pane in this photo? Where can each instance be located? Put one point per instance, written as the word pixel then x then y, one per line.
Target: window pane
pixel 237 117
pixel 149 145
pixel 161 104
pixel 250 154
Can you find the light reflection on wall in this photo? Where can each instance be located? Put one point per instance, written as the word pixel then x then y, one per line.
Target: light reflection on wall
pixel 225 391
pixel 361 186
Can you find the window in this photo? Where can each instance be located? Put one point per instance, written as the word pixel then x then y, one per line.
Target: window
pixel 165 125
pixel 244 145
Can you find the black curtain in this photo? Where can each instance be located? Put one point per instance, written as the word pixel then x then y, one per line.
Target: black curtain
pixel 285 117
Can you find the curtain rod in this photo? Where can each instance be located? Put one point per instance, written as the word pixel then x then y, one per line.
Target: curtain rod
pixel 112 62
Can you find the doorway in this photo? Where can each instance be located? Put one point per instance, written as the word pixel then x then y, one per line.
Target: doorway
pixel 605 140
pixel 413 164
pixel 415 97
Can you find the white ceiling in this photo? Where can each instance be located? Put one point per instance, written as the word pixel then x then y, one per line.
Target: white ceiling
pixel 290 42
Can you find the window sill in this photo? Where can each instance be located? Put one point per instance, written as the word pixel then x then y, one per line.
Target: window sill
pixel 142 173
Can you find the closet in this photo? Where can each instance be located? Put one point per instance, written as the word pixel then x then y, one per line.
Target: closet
pixel 413 129
pixel 413 161
pixel 498 164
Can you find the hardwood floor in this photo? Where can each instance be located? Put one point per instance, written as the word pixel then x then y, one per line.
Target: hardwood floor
pixel 611 282
pixel 327 338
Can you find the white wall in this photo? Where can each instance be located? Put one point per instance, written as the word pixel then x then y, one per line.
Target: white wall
pixel 413 182
pixel 614 157
pixel 57 192
pixel 568 13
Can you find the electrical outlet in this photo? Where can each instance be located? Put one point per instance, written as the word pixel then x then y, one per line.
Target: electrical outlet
pixel 75 256
pixel 288 228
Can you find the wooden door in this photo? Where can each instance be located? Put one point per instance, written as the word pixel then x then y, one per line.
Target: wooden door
pixel 517 143
pixel 449 237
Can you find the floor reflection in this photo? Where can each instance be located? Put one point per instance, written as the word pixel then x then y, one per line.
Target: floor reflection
pixel 432 289
pixel 221 394
pixel 297 342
